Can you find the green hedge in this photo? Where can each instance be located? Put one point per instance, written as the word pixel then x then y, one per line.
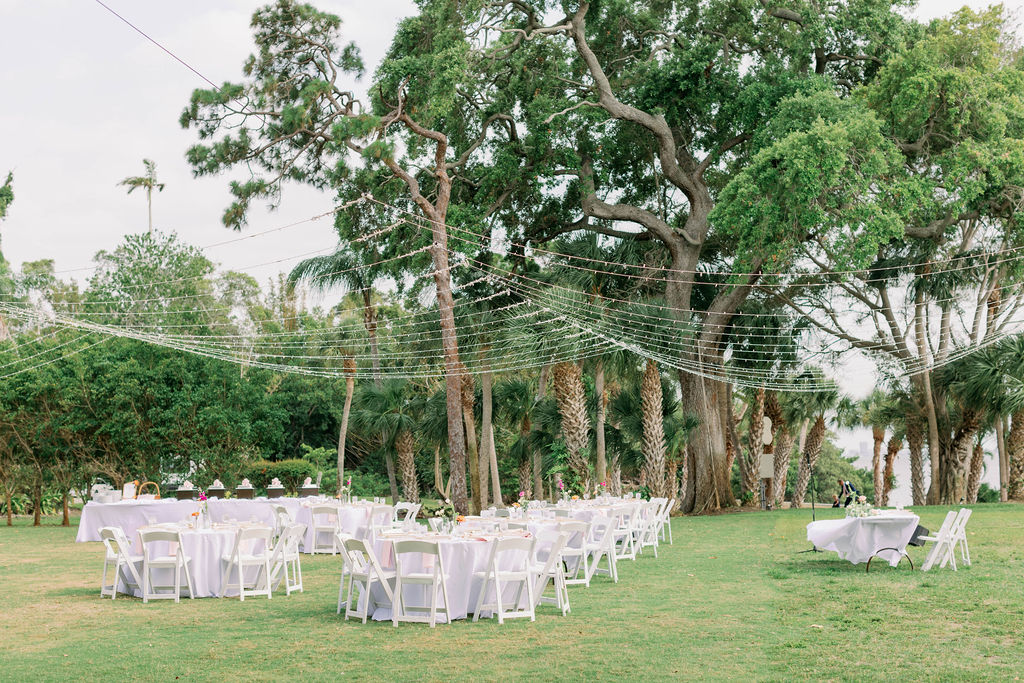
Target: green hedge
pixel 291 472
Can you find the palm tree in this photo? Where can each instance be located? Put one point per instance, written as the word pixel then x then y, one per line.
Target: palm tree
pixel 149 183
pixel 750 459
pixel 393 413
pixel 814 404
pixel 515 401
pixel 347 269
pixel 875 412
pixel 651 404
pixel 782 447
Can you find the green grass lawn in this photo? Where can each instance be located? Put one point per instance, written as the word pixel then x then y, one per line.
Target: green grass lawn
pixel 731 600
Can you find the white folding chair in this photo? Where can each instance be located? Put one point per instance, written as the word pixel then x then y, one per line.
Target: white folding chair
pixel 624 532
pixel 125 564
pixel 363 571
pixel 501 572
pixel 243 556
pixel 650 518
pixel 665 524
pixel 959 535
pixel 576 557
pixel 547 566
pixel 602 545
pixel 405 511
pixel 282 519
pixel 434 523
pixel 325 521
pixel 942 551
pixel 177 561
pixel 285 561
pixel 380 520
pixel 406 576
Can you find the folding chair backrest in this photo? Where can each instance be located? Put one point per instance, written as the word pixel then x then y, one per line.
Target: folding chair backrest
pixel 502 512
pixel 151 536
pixel 552 542
pixel 601 529
pixel 329 512
pixel 380 515
pixel 401 511
pixel 115 541
pixel 946 530
pixel 246 535
pixel 960 523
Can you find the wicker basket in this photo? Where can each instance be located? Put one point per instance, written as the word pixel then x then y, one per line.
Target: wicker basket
pixel 148 483
pixel 275 492
pixel 245 493
pixel 216 493
pixel 306 491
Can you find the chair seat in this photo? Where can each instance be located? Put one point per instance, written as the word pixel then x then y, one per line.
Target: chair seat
pixel 418 577
pixel 165 560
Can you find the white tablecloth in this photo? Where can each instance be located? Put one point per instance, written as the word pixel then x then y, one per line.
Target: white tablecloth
pixel 462 557
pixel 130 515
pixel 858 538
pixel 205 548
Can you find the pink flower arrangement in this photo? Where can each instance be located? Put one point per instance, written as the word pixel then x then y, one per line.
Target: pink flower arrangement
pixel 202 496
pixel 561 484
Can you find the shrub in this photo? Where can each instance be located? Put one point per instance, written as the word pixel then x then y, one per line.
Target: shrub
pixel 291 472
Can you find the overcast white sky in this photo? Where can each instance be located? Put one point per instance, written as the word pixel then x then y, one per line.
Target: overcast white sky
pixel 85 99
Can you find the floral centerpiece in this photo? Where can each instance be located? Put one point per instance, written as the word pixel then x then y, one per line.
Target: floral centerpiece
pixel 563 492
pixel 861 508
pixel 446 513
pixel 202 515
pixel 345 491
pixel 601 489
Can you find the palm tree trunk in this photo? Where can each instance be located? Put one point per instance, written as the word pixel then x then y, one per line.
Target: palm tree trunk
pixel 1015 455
pixel 524 475
pixel 750 460
pixel 572 405
pixel 405 444
pixel 895 444
pixel 923 382
pixel 974 475
pixel 370 323
pixel 958 458
pixel 37 500
pixel 780 472
pixel 469 422
pixel 1004 462
pixel 915 442
pixel 350 385
pixel 876 463
pixel 808 459
pixel 487 385
pixel 653 427
pixel 616 475
pixel 66 520
pixel 538 462
pixel 599 391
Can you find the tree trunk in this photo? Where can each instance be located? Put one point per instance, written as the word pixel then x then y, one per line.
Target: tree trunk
pixel 780 472
pixel 599 391
pixel 878 435
pixel 750 459
pixel 66 520
pixel 1015 454
pixel 37 501
pixel 915 442
pixel 370 323
pixel 923 383
pixel 10 512
pixel 350 386
pixel 957 459
pixel 538 458
pixel 808 459
pixel 895 444
pixel 974 476
pixel 1004 462
pixel 653 427
pixel 486 426
pixel 572 405
pixel 405 444
pixel 469 422
pixel 487 384
pixel 616 476
pixel 708 486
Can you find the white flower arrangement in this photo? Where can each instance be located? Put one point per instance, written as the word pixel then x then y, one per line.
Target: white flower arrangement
pixel 861 508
